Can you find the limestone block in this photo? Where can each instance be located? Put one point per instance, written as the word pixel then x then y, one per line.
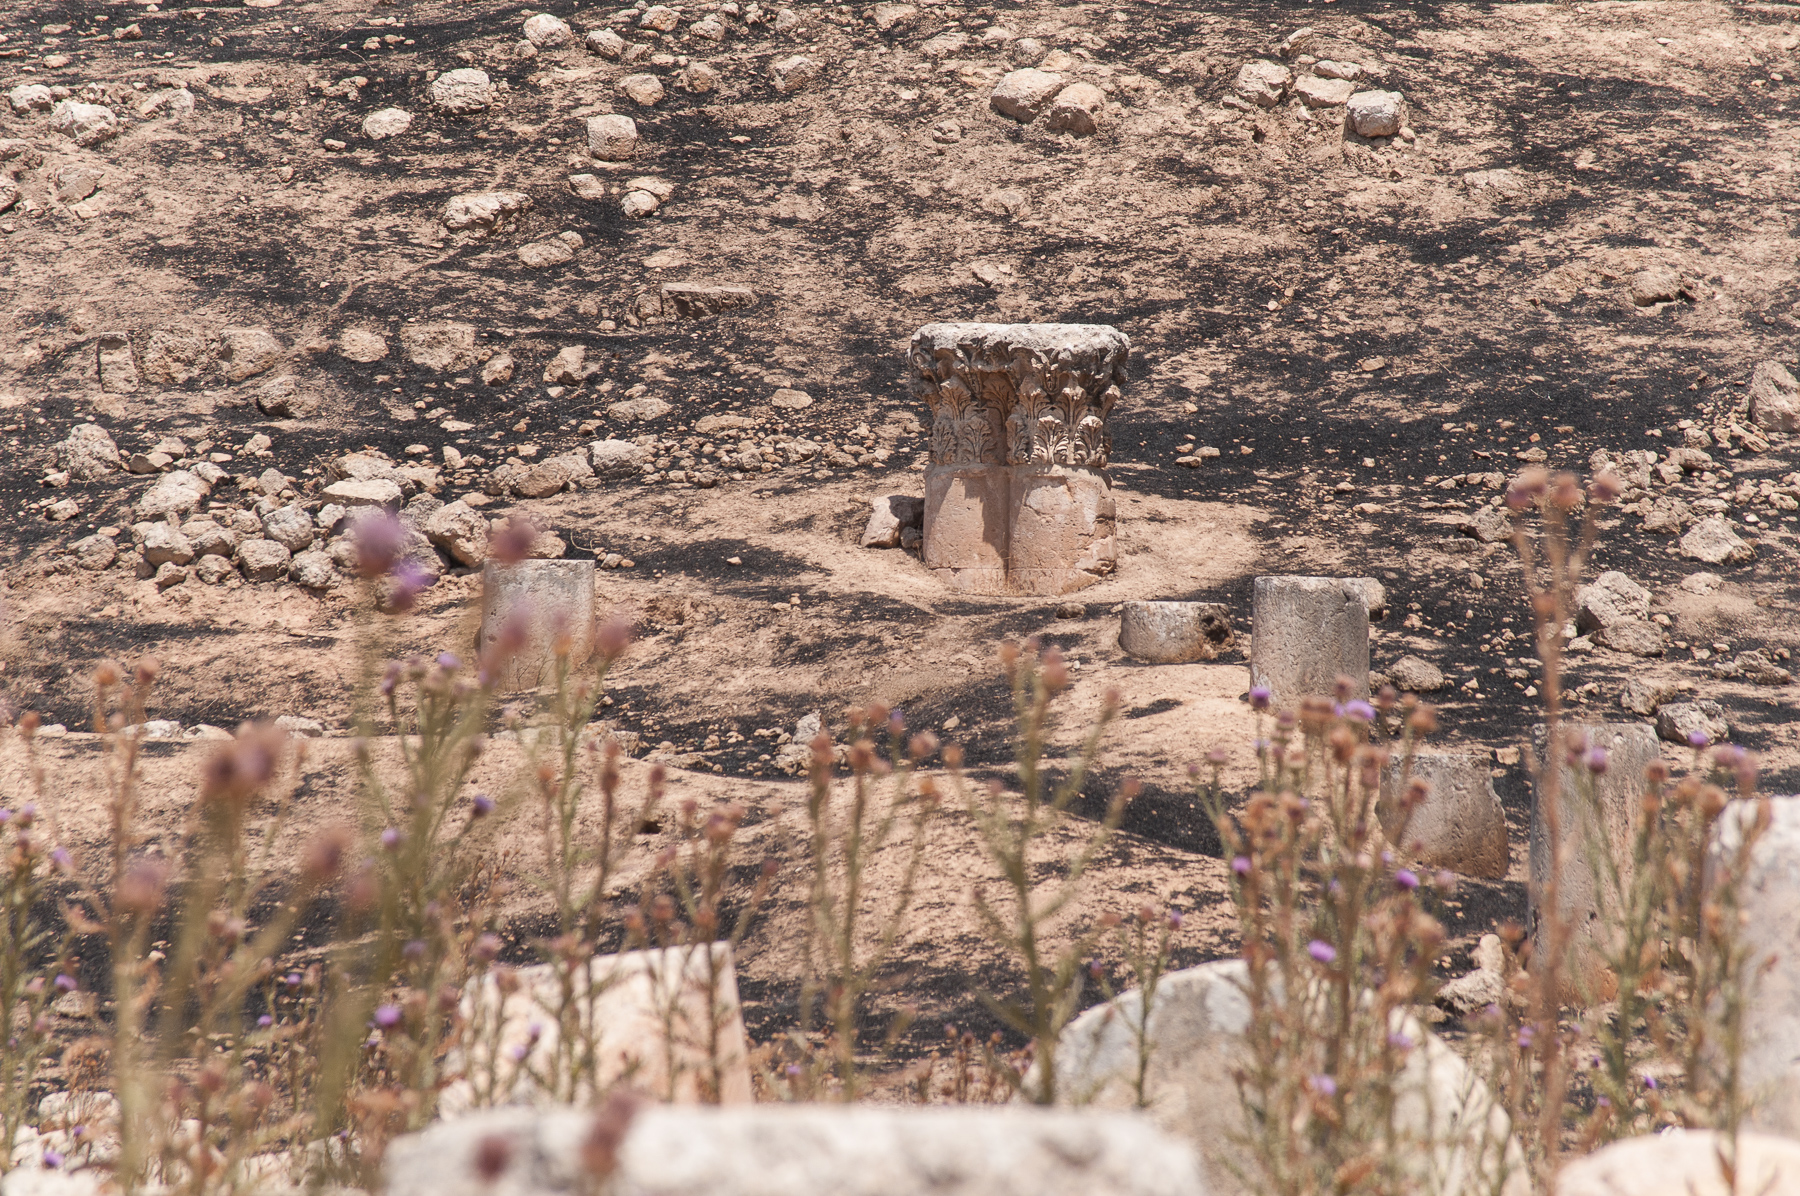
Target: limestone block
pixel 1460 825
pixel 1595 819
pixel 1770 898
pixel 550 598
pixel 1024 93
pixel 1017 500
pixel 1176 632
pixel 1678 1162
pixel 626 1007
pixel 1078 109
pixel 891 515
pixel 1305 632
pixel 801 1150
pixel 1449 1119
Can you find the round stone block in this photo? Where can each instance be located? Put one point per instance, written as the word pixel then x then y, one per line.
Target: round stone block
pixel 1175 632
pixel 1305 632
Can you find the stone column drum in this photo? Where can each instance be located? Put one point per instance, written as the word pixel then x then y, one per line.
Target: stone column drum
pixel 1596 829
pixel 1770 899
pixel 1460 825
pixel 1305 632
pixel 551 597
pixel 1017 499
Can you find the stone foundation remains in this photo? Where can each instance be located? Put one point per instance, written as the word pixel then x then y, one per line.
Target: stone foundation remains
pixel 1017 500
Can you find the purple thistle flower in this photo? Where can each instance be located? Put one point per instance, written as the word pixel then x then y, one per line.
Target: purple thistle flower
pixel 265 1021
pixel 1360 711
pixel 53 1159
pixel 414 950
pixel 5 815
pixel 1603 1102
pixel 1399 1041
pixel 484 805
pixel 1322 951
pixel 1597 761
pixel 449 661
pixel 379 542
pixel 519 1052
pixel 1174 919
pixel 1526 1036
pixel 1324 1085
pixel 1650 1082
pixel 391 837
pixel 1241 865
pixel 387 1016
pixel 64 982
pixel 390 680
pixel 1260 697
pixel 1698 739
pixel 793 1071
pixel 292 979
pixel 1407 879
pixel 60 857
pixel 410 579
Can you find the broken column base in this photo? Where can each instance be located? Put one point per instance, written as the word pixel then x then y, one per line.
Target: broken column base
pixel 1019 529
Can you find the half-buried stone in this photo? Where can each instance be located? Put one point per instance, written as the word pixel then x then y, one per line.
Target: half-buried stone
pixel 1176 632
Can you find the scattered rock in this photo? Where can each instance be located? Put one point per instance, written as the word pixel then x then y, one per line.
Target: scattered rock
pixel 385 123
pixel 691 300
pixel 645 407
pixel 889 17
pixel 792 73
pixel 87 453
pixel 699 77
pixel 1679 722
pixel 1376 113
pixel 1756 668
pixel 498 370
pixel 176 492
pixel 1412 675
pixel 891 514
pixel 462 91
pixel 1330 69
pixel 291 527
pixel 644 90
pixel 447 347
pixel 483 210
pixel 661 18
pixel 1176 632
pixel 1634 637
pixel 1611 598
pixel 1320 92
pixel 371 492
pixel 552 251
pixel 1491 525
pixel 612 138
pixel 362 345
pixel 459 530
pixel 1713 542
pixel 617 458
pixel 546 32
pixel 174 358
pixel 158 542
pixel 213 569
pixel 74 183
pixel 27 98
pixel 172 103
pixel 94 552
pixel 1474 991
pixel 1023 94
pixel 84 124
pixel 1459 824
pixel 1642 695
pixel 1657 286
pixel 1774 398
pixel 285 398
pixel 263 560
pixel 1077 109
pixel 606 43
pixel 247 352
pixel 790 400
pixel 1702 583
pixel 1262 82
pixel 314 570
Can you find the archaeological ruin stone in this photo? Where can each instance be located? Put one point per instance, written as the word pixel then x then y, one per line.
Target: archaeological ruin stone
pixel 1451 1123
pixel 1176 632
pixel 1770 899
pixel 691 300
pixel 635 1008
pixel 534 603
pixel 1459 825
pixel 1017 498
pixel 1774 398
pixel 1306 632
pixel 891 515
pixel 798 1150
pixel 1683 1162
pixel 1595 820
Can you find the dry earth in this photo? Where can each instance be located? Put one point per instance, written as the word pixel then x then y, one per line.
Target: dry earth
pixel 1584 245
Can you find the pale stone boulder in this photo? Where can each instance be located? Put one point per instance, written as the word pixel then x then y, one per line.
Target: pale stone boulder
pixel 1459 1135
pixel 1602 819
pixel 1713 542
pixel 1023 94
pixel 617 458
pixel 385 123
pixel 1262 82
pixel 1678 1162
pixel 462 91
pixel 800 1150
pixel 1317 92
pixel 362 345
pixel 627 1004
pixel 483 210
pixel 643 90
pixel 541 600
pixel 247 352
pixel 459 530
pixel 794 73
pixel 1077 109
pixel 1305 632
pixel 263 560
pixel 612 137
pixel 175 492
pixel 30 97
pixel 1774 398
pixel 88 453
pixel 1376 113
pixel 692 300
pixel 1176 632
pixel 1460 825
pixel 892 514
pixel 1770 899
pixel 447 347
pixel 547 32
pixel 1611 598
pixel 290 526
pixel 84 124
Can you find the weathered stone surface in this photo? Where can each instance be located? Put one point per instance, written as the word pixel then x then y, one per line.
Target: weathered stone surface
pixel 1774 398
pixel 1679 1162
pixel 691 300
pixel 1023 94
pixel 173 357
pixel 177 492
pixel 1712 541
pixel 447 347
pixel 1016 495
pixel 1595 815
pixel 30 97
pixel 117 368
pixel 1611 598
pixel 1262 82
pixel 160 542
pixel 793 73
pixel 552 251
pixel 1376 113
pixel 804 1150
pixel 385 123
pixel 362 345
pixel 537 600
pixel 1633 637
pixel 612 138
pixel 1077 109
pixel 291 527
pixel 1305 632
pixel 84 124
pixel 287 398
pixel 629 1004
pixel 462 91
pixel 371 492
pixel 483 210
pixel 1770 899
pixel 1451 1122
pixel 889 516
pixel 247 352
pixel 1680 722
pixel 1318 92
pixel 1411 675
pixel 263 560
pixel 459 530
pixel 1474 991
pixel 1176 632
pixel 94 552
pixel 88 453
pixel 1459 825
pixel 1642 696
pixel 547 32
pixel 313 569
pixel 643 90
pixel 617 458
